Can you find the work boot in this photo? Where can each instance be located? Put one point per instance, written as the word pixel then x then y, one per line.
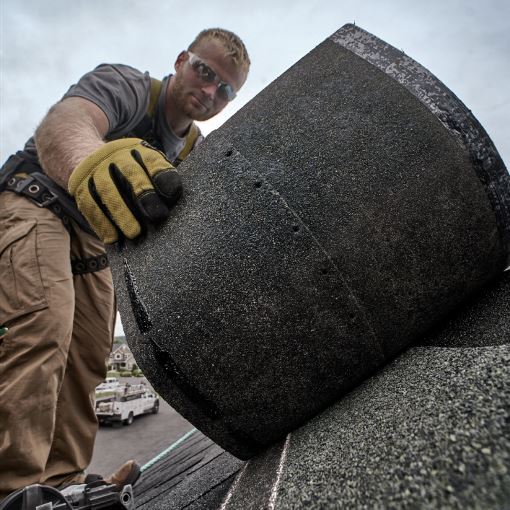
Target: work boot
pixel 127 474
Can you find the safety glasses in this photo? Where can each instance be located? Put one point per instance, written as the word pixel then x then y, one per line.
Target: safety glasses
pixel 207 75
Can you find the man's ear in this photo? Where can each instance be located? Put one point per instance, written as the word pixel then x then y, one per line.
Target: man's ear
pixel 181 58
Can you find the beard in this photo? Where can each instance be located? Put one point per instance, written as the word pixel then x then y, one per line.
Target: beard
pixel 185 100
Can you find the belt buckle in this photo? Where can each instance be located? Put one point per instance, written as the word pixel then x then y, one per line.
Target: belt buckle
pixel 32 187
pixel 52 198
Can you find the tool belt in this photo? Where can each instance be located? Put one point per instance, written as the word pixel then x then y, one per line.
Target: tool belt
pixel 27 179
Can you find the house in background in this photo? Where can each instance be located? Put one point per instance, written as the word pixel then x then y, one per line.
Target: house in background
pixel 121 359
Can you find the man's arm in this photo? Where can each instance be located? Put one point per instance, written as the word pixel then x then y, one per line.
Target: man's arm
pixel 120 186
pixel 72 130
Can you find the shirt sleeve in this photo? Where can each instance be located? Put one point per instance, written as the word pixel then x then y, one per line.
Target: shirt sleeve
pixel 122 92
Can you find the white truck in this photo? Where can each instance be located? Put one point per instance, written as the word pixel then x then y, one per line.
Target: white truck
pixel 126 402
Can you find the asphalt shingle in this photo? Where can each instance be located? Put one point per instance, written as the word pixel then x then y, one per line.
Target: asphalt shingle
pixel 430 430
pixel 326 226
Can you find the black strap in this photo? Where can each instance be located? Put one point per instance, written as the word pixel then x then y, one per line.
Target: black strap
pixel 42 197
pixel 27 179
pixel 89 264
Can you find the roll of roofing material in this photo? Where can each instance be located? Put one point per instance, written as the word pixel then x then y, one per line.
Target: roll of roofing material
pixel 337 216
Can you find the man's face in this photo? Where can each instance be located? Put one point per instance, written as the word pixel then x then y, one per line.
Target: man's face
pixel 198 97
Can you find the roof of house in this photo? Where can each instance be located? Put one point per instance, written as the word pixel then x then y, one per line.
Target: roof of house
pixel 430 429
pixel 196 474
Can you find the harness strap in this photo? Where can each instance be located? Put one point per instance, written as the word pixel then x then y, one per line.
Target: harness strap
pixel 39 195
pixel 154 96
pixel 89 264
pixel 191 139
pixel 27 179
pixel 146 130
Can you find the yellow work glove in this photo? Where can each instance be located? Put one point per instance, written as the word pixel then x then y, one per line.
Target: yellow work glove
pixel 124 186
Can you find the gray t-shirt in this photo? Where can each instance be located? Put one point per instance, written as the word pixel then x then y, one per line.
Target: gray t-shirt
pixel 123 94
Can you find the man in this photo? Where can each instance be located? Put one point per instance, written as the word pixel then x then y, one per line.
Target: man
pixel 57 298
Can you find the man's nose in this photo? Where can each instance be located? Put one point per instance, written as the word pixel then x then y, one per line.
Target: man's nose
pixel 210 89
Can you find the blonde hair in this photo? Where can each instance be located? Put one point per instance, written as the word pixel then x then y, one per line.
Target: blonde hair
pixel 234 47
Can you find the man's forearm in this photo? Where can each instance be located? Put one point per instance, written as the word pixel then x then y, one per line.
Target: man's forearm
pixel 72 130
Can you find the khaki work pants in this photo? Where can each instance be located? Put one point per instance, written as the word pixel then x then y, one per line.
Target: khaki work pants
pixel 56 349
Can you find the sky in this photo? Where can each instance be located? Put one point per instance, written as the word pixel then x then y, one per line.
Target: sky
pixel 46 45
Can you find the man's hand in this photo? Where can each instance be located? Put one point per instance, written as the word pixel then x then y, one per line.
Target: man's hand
pixel 123 186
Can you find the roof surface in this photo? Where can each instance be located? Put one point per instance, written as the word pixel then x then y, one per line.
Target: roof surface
pixel 429 430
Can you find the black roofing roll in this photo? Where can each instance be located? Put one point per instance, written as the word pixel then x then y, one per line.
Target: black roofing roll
pixel 331 221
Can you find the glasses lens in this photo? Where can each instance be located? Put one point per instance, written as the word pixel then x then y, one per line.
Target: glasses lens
pixel 202 70
pixel 224 91
pixel 205 73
